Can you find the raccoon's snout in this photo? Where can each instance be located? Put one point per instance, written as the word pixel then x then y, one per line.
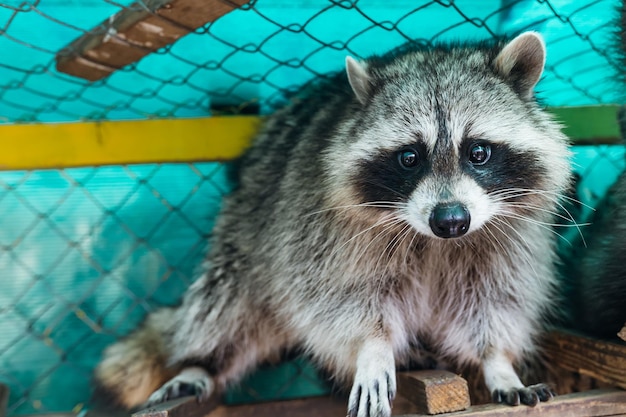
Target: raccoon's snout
pixel 449 220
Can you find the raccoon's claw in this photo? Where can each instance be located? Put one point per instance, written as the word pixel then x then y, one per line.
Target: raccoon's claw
pixel 530 395
pixel 372 398
pixel 544 392
pixel 190 382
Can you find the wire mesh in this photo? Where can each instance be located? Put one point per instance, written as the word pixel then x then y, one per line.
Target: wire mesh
pixel 83 263
pixel 276 46
pixel 86 252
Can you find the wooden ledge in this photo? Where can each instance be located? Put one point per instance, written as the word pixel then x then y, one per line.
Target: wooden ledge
pixel 599 359
pixel 596 403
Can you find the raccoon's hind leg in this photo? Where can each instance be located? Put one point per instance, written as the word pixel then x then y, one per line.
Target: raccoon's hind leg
pixel 220 335
pixel 506 387
pixel 226 363
pixel 135 366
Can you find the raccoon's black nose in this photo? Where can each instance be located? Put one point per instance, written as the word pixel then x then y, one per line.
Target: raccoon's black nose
pixel 449 220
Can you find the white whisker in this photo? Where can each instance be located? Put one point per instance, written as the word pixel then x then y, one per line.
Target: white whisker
pixel 388 219
pixel 543 225
pixel 524 250
pixel 373 204
pixel 509 193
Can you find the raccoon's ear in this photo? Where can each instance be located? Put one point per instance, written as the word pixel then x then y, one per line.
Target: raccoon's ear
pixel 359 79
pixel 521 61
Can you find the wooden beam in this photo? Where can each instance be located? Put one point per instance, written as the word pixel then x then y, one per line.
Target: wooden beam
pixel 324 406
pixel 599 359
pixel 63 145
pixel 434 392
pixel 308 407
pixel 135 32
pixel 589 124
pixel 181 407
pixel 596 403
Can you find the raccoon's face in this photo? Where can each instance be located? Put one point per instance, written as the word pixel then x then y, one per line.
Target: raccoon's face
pixel 454 144
pixel 441 190
pixel 448 188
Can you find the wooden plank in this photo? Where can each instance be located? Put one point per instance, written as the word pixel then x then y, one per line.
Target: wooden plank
pixel 309 407
pixel 599 359
pixel 596 403
pixel 64 145
pixel 434 392
pixel 181 407
pixel 589 124
pixel 325 406
pixel 135 32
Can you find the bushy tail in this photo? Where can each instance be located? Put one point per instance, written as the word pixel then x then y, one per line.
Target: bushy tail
pixel 135 366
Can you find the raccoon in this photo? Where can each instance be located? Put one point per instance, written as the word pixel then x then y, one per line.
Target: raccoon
pixel 402 203
pixel 598 269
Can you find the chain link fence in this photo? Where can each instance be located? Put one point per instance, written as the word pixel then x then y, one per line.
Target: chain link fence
pixel 266 48
pixel 86 252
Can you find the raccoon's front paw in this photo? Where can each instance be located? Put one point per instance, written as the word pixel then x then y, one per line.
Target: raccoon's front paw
pixel 530 395
pixel 371 395
pixel 191 381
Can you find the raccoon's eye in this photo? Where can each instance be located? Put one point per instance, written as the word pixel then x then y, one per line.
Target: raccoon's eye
pixel 479 153
pixel 408 158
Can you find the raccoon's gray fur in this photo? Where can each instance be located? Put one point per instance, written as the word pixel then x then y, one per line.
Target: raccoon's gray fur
pixel 599 266
pixel 406 203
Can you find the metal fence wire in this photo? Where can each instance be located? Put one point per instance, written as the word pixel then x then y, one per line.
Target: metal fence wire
pixel 268 47
pixel 86 252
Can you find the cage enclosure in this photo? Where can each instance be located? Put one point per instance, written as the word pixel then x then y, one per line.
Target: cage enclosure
pixel 119 119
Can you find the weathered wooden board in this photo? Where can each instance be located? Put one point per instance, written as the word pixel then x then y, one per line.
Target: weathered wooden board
pixel 596 403
pixel 181 407
pixel 324 406
pixel 135 32
pixel 599 359
pixel 434 392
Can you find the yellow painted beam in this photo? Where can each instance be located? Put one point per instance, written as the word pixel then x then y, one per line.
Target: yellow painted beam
pixel 62 145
